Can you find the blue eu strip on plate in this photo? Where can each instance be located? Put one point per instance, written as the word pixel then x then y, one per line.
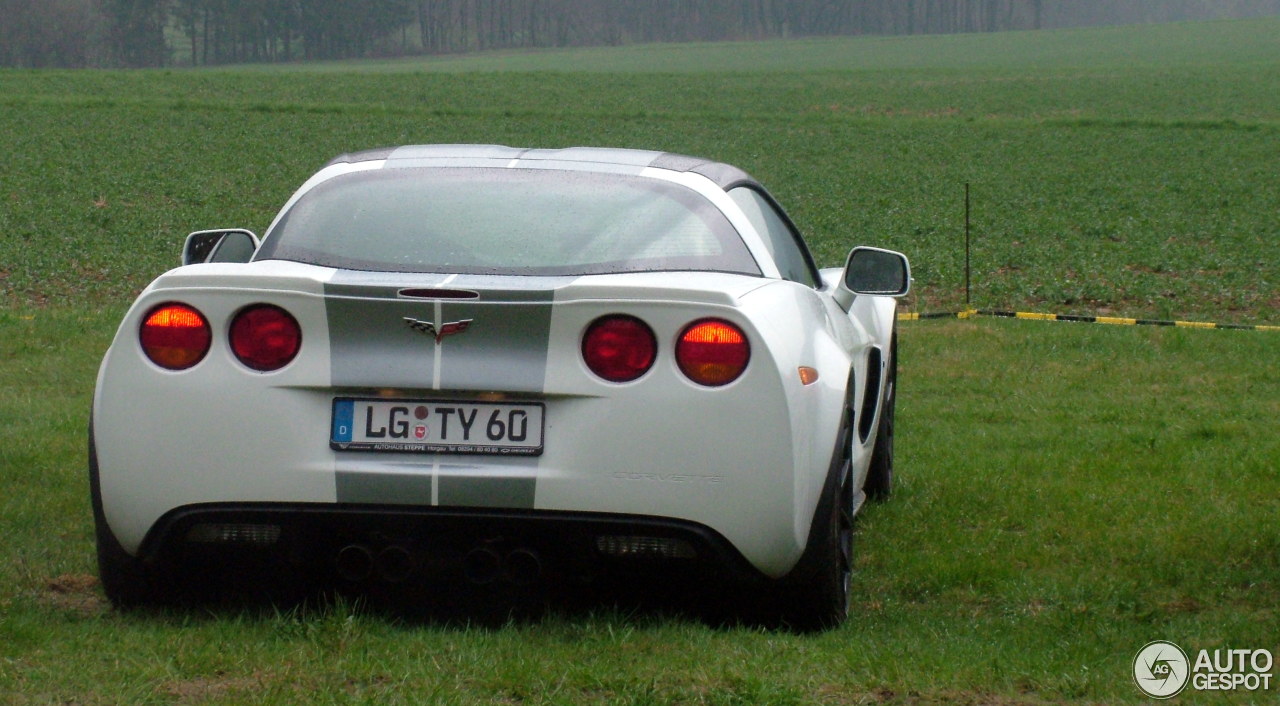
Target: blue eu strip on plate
pixel 343 413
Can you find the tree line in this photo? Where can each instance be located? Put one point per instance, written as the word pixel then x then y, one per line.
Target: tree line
pixel 148 33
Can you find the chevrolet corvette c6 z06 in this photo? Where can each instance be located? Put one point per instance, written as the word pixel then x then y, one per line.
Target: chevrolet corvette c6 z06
pixel 496 364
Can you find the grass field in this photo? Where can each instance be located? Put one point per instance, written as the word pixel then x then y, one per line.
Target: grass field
pixel 1141 187
pixel 1068 492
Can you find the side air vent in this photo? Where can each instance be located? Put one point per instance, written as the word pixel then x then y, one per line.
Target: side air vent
pixel 871 395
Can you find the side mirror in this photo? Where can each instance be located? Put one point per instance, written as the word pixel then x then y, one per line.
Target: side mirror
pixel 874 272
pixel 224 245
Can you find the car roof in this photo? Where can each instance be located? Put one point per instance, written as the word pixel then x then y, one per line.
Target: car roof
pixel 593 159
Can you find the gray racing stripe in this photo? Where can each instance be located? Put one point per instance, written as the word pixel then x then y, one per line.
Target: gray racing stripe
pixel 384 488
pixel 481 490
pixel 459 486
pixel 506 352
pixel 502 349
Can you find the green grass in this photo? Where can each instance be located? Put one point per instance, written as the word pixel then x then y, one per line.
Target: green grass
pixel 1099 186
pixel 1067 493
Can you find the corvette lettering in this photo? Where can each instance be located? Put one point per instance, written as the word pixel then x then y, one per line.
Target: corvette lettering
pixel 429 328
pixel 668 477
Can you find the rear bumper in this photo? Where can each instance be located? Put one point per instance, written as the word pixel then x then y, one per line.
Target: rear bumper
pixel 745 460
pixel 440 544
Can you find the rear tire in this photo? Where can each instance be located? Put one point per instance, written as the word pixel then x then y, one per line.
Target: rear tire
pixel 879 483
pixel 819 599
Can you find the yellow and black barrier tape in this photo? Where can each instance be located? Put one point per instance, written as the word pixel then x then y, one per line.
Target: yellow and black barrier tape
pixel 1113 320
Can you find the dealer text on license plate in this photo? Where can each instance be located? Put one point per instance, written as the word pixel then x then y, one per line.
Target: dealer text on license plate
pixel 435 426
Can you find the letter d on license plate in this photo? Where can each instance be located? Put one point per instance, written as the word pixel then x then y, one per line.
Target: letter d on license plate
pixel 437 426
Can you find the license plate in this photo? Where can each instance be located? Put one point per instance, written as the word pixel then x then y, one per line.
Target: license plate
pixel 437 426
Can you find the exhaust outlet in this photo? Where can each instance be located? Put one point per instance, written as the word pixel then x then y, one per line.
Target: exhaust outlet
pixel 394 564
pixel 482 565
pixel 354 562
pixel 523 567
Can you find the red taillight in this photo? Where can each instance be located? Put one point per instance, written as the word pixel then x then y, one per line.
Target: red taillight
pixel 175 336
pixel 713 352
pixel 265 337
pixel 619 348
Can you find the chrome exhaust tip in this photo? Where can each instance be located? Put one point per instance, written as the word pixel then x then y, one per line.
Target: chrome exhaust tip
pixel 482 565
pixel 523 567
pixel 354 562
pixel 394 564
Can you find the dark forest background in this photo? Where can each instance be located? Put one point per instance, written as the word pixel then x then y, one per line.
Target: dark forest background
pixel 147 33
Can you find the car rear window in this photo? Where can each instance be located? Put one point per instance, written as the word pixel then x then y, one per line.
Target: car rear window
pixel 506 221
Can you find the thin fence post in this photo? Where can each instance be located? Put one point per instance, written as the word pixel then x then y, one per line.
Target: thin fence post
pixel 966 245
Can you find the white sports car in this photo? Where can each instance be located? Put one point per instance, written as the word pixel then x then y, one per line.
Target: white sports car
pixel 497 365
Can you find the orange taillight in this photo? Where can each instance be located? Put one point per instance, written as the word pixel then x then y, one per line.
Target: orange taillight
pixel 713 352
pixel 175 336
